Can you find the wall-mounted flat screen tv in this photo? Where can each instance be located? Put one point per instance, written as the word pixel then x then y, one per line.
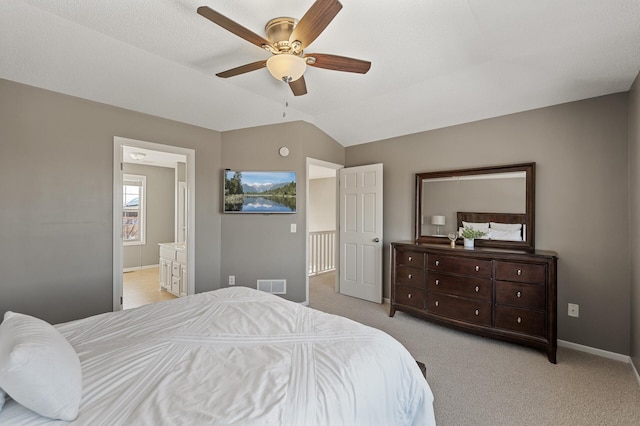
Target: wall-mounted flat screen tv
pixel 259 192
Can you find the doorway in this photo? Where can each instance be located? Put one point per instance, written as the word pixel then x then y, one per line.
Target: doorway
pixel 174 165
pixel 358 243
pixel 322 216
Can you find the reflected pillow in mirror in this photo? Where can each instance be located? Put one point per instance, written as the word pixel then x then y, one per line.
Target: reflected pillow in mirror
pixel 480 226
pixel 506 226
pixel 505 235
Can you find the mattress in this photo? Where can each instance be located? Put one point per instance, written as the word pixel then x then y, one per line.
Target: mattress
pixel 237 356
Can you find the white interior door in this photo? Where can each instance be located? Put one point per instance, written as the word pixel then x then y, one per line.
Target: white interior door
pixel 361 232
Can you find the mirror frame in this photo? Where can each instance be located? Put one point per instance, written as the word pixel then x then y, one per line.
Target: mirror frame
pixel 529 221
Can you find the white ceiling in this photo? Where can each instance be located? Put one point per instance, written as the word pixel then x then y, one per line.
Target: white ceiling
pixel 435 63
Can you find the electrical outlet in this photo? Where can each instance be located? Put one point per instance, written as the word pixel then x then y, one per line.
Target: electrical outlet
pixel 232 279
pixel 574 310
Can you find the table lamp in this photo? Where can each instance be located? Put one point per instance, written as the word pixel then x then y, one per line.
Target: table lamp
pixel 438 221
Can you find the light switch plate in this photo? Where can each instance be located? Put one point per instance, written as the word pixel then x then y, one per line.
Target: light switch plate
pixel 293 228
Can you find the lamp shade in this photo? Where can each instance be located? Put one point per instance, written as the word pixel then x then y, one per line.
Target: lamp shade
pixel 286 67
pixel 437 220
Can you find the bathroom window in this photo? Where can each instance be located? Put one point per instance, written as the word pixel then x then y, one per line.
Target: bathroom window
pixel 133 211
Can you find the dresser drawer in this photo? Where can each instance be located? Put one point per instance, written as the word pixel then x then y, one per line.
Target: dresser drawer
pixel 476 288
pixel 413 277
pixel 409 296
pixel 521 272
pixel 175 269
pixel 473 311
pixel 524 321
pixel 521 295
pixel 175 285
pixel 410 258
pixel 459 265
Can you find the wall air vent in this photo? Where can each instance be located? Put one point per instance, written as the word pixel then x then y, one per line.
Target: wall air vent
pixel 273 286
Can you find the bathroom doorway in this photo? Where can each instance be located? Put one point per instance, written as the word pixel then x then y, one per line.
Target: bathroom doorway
pixel 154 219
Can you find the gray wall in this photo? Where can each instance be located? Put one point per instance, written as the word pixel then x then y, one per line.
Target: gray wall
pixel 56 232
pixel 634 156
pixel 262 246
pixel 56 187
pixel 582 198
pixel 160 214
pixel 322 204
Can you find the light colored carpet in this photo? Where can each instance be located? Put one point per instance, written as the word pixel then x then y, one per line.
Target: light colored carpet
pixel 480 381
pixel 142 287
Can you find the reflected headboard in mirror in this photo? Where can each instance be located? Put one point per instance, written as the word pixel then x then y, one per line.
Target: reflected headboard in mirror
pixel 499 194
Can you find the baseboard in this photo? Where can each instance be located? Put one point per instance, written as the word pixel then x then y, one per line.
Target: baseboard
pixel 635 371
pixel 139 268
pixel 594 351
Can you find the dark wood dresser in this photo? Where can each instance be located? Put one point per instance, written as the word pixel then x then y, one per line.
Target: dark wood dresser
pixel 504 294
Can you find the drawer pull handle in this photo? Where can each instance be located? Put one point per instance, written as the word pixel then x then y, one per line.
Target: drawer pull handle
pixel 519 294
pixel 409 296
pixel 410 276
pixel 437 282
pixel 519 320
pixel 477 312
pixel 477 289
pixel 477 268
pixel 519 272
pixel 410 258
pixel 437 303
pixel 437 262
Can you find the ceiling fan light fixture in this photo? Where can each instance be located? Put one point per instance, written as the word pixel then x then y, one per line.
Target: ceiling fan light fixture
pixel 286 67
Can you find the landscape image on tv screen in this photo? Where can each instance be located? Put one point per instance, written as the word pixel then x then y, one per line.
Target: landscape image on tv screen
pixel 259 192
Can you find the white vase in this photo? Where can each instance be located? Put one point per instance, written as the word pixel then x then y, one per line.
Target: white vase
pixel 468 243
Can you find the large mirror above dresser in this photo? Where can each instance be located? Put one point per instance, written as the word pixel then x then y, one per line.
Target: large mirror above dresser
pixel 503 287
pixel 499 194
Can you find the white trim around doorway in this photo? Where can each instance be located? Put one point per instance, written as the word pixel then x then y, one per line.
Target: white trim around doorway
pixel 118 143
pixel 336 167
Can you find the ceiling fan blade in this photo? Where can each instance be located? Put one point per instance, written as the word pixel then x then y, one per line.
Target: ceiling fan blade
pixel 338 63
pixel 319 15
pixel 298 87
pixel 232 26
pixel 242 69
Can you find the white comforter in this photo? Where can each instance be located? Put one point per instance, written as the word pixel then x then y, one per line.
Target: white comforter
pixel 237 356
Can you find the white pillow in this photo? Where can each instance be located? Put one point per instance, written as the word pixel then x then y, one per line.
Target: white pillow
pixel 39 369
pixel 480 226
pixel 498 234
pixel 506 226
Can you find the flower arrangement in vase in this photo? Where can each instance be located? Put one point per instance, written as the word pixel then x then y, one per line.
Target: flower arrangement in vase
pixel 470 234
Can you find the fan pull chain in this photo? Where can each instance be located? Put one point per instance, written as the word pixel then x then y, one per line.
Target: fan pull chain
pixel 286 92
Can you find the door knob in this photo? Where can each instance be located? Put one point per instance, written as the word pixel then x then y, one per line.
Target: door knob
pixel 377 240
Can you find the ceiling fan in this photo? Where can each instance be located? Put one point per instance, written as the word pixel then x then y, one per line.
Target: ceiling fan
pixel 286 40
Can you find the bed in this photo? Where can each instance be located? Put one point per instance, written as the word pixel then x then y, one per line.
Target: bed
pixel 237 356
